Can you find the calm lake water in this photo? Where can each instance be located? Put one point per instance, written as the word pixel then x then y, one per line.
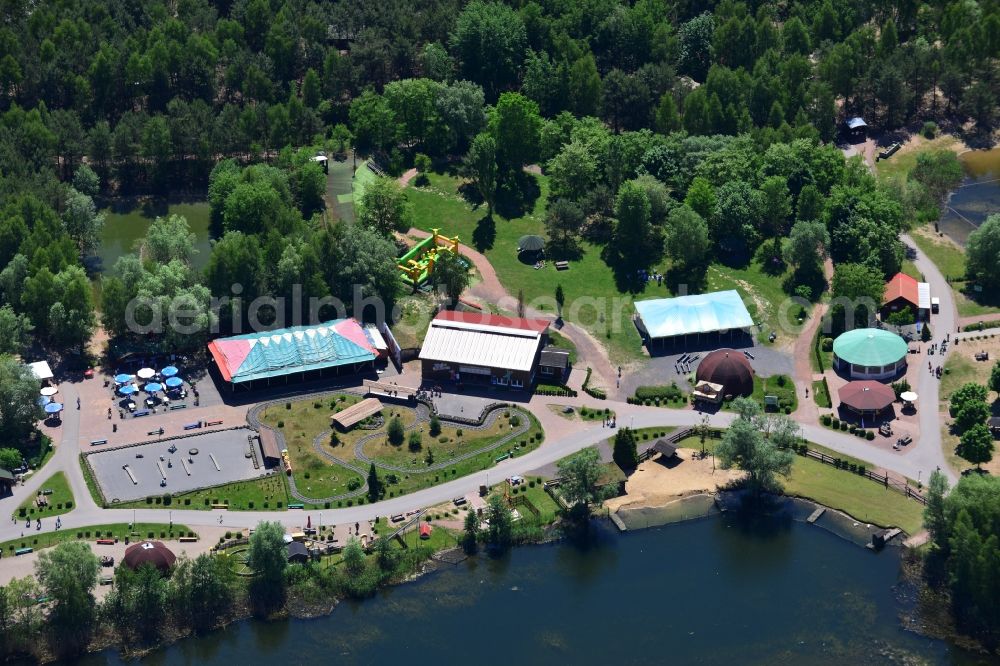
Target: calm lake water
pixel 709 591
pixel 976 198
pixel 126 224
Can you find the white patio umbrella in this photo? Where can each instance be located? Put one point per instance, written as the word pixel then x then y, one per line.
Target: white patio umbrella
pixel 146 373
pixel 49 391
pixel 908 396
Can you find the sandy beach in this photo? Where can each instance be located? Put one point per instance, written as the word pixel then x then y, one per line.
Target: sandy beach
pixel 657 483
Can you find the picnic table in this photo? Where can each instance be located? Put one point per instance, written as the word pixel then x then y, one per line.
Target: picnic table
pixel 562 265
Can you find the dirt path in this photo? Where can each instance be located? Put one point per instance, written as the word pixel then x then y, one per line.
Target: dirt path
pixel 969 321
pixel 590 352
pixel 808 410
pixel 405 179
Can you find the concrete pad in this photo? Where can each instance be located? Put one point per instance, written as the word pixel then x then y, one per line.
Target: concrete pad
pixel 184 471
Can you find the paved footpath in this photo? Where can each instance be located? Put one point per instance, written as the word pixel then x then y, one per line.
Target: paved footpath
pixel 574 436
pixel 929 454
pixel 590 352
pixel 563 437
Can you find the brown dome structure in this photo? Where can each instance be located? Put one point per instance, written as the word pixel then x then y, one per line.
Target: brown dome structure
pixel 728 368
pixel 149 552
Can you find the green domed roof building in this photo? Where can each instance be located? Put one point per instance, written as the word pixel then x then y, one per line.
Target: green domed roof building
pixel 870 353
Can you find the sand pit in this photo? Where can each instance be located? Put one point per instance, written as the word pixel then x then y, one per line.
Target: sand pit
pixel 656 483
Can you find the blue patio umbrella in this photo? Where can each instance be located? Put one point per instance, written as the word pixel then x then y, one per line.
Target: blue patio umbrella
pixel 169 371
pixel 123 379
pixel 53 408
pixel 153 387
pixel 128 389
pixel 43 400
pixel 174 382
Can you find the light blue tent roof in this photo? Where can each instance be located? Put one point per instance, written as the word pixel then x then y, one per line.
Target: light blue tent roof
pixel 856 122
pixel 700 313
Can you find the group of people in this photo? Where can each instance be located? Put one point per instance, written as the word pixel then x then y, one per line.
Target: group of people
pixel 648 276
pixel 610 422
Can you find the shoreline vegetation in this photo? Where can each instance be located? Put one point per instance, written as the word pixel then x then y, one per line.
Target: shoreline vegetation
pixel 317 588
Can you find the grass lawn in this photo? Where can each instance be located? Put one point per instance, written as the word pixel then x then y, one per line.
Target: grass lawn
pixel 49 538
pixel 821 394
pixel 856 495
pixel 416 312
pixel 910 268
pixel 861 498
pixel 60 500
pixel 560 341
pixel 961 368
pixel 950 260
pixel 593 297
pixel 817 349
pixel 762 293
pixel 303 420
pixel 780 386
pixel 902 163
pixel 270 493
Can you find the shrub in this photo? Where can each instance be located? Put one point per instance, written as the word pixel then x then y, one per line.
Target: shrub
pixel 69 504
pixel 149 499
pixel 149 535
pixel 281 424
pixel 434 429
pixel 827 344
pixel 458 433
pixel 515 420
pixel 395 431
pixel 929 129
pixel 870 436
pixel 843 425
pixel 250 504
pixel 415 441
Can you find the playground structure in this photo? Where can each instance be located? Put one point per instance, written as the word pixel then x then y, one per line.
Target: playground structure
pixel 417 265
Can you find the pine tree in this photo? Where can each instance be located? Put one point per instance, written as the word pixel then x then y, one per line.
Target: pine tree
pixel 374 484
pixel 625 453
pixel 471 536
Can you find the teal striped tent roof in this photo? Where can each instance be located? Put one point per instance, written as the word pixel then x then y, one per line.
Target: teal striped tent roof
pixel 870 347
pixel 244 358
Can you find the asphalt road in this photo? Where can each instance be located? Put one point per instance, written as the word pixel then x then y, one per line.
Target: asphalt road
pixel 925 455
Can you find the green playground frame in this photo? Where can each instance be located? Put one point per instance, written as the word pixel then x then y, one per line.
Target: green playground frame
pixel 417 265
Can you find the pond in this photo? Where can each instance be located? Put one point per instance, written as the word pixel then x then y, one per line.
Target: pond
pixel 126 223
pixel 976 198
pixel 708 591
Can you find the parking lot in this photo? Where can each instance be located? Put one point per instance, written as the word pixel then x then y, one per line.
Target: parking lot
pixel 207 459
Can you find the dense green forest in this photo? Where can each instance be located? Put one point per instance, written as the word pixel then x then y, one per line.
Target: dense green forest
pixel 627 106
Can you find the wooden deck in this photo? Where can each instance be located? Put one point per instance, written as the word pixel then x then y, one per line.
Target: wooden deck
pixel 356 413
pixel 385 388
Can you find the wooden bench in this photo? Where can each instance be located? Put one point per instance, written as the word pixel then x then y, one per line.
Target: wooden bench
pixel 98 442
pixel 178 406
pixel 213 423
pixel 106 542
pixel 188 539
pixel 192 426
pixel 562 265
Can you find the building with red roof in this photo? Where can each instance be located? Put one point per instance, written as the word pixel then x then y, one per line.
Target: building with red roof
pixel 481 348
pixel 903 291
